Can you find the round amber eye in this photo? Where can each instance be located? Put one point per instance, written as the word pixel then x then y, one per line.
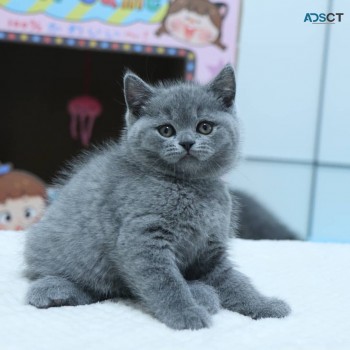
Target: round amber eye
pixel 166 130
pixel 205 128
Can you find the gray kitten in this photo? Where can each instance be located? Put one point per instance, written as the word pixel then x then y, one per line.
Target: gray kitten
pixel 149 217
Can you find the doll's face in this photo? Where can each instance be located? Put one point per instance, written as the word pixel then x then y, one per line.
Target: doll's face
pixel 20 213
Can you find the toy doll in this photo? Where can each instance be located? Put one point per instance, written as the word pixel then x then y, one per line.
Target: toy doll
pixel 22 198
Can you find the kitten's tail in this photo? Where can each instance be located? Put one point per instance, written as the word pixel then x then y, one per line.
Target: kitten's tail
pixel 257 222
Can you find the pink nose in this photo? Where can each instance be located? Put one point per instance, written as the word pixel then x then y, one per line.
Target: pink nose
pixel 19 228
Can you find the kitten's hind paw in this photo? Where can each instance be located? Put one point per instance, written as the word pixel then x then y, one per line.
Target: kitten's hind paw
pixel 53 291
pixel 190 318
pixel 271 308
pixel 205 296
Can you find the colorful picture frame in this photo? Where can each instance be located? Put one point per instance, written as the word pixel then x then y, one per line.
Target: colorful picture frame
pixel 202 32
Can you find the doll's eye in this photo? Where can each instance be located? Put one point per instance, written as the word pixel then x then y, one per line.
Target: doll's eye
pixel 5 217
pixel 29 213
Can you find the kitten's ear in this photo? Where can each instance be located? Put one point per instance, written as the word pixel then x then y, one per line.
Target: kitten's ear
pixel 224 86
pixel 136 93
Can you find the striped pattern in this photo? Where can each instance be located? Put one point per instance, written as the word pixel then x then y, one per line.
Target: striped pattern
pixel 77 10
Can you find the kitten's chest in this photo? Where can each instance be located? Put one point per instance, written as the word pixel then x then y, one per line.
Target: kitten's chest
pixel 195 215
pixel 196 211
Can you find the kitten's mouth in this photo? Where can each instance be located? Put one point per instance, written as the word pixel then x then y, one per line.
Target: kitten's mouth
pixel 188 156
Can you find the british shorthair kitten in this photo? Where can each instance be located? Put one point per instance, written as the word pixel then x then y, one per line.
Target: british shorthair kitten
pixel 149 217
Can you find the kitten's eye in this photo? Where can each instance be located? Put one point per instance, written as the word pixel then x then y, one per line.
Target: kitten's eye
pixel 29 213
pixel 166 130
pixel 5 217
pixel 205 128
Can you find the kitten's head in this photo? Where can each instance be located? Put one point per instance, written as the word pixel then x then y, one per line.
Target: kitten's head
pixel 186 130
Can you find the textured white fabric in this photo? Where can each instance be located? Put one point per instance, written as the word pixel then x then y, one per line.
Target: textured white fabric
pixel 313 278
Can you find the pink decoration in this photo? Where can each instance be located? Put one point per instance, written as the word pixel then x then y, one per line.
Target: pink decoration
pixel 83 111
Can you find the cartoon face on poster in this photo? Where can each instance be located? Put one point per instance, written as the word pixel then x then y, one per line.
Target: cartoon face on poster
pixel 205 29
pixel 197 22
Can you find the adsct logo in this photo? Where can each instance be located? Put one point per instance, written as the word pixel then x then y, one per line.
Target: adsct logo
pixel 323 18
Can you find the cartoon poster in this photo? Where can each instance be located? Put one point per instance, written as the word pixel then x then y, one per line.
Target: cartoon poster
pixel 203 32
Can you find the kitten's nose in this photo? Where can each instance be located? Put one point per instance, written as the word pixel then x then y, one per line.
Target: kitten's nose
pixel 187 145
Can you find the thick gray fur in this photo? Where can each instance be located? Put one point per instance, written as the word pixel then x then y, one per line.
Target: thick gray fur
pixel 257 222
pixel 146 219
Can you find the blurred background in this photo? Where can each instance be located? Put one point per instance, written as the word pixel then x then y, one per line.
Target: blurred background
pixel 293 99
pixel 292 80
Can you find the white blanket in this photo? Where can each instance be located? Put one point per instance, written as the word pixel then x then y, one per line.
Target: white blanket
pixel 313 278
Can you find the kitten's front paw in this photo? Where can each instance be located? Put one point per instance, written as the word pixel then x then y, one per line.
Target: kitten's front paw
pixel 205 295
pixel 271 308
pixel 190 318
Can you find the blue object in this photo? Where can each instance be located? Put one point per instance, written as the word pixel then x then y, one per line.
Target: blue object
pixel 5 168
